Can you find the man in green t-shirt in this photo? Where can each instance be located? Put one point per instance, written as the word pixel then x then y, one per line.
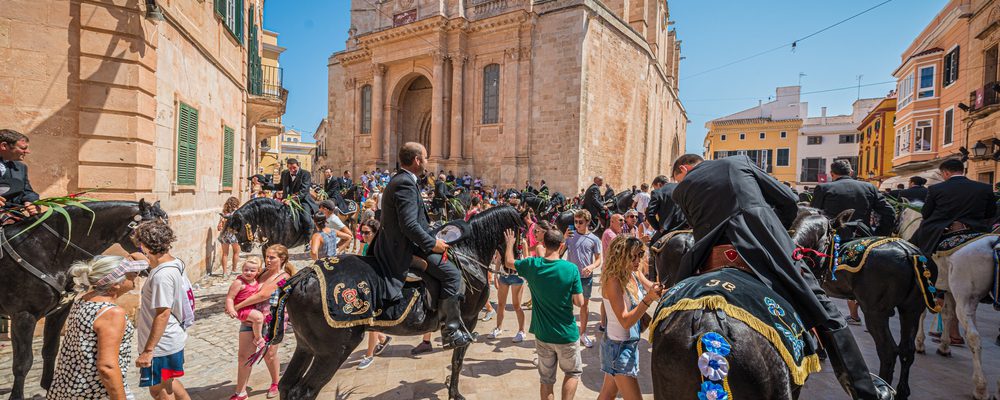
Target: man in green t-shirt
pixel 555 289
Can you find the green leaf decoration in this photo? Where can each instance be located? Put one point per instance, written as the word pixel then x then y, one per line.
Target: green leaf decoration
pixel 59 204
pixel 295 207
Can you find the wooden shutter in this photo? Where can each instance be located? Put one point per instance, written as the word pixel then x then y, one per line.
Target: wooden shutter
pixel 187 145
pixel 220 8
pixel 239 21
pixel 228 146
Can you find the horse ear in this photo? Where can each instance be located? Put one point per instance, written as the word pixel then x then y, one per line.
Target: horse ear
pixel 156 204
pixel 843 217
pixel 143 204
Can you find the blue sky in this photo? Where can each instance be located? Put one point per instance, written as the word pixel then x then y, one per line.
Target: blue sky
pixel 713 34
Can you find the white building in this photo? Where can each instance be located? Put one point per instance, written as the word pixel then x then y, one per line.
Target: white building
pixel 825 139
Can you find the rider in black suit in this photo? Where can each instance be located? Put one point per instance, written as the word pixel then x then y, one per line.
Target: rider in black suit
pixel 295 182
pixel 955 205
pixel 662 213
pixel 405 240
pixel 14 173
pixel 752 212
pixel 917 191
pixel 440 199
pixel 331 185
pixel 593 202
pixel 846 193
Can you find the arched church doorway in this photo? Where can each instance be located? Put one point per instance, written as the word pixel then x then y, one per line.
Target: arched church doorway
pixel 415 112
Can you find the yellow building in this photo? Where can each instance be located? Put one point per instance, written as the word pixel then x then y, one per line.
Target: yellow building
pixel 270 130
pixel 277 151
pixel 766 133
pixel 875 150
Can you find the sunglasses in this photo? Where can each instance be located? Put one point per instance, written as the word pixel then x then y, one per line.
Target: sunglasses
pixel 366 232
pixel 631 216
pixel 580 221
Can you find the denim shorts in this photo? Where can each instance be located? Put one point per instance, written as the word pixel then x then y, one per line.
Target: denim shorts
pixel 588 287
pixel 511 280
pixel 620 357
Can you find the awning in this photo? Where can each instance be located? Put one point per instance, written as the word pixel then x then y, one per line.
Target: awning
pixel 932 175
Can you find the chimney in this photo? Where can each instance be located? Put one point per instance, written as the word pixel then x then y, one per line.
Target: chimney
pixel 760 106
pixel 823 115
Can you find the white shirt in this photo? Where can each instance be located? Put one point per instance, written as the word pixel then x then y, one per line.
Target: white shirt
pixel 163 289
pixel 641 202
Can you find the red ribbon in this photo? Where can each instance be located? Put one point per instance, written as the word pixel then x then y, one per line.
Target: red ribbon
pixel 801 252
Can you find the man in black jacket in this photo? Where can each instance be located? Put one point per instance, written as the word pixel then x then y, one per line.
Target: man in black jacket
pixel 751 214
pixel 405 240
pixel 958 204
pixel 916 192
pixel 331 184
pixel 663 215
pixel 14 173
pixel 440 199
pixel 592 201
pixel 845 193
pixel 295 183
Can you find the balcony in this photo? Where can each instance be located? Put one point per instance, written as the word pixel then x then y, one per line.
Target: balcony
pixel 983 101
pixel 267 98
pixel 481 9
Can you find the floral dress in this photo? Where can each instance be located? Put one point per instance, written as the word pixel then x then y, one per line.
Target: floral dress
pixel 76 374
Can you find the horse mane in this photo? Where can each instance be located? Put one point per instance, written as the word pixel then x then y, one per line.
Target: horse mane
pixel 267 214
pixel 487 234
pixel 809 227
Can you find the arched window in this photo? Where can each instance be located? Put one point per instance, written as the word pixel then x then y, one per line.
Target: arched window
pixel 366 109
pixel 491 94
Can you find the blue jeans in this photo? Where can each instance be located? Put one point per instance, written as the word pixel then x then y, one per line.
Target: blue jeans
pixel 620 357
pixel 511 280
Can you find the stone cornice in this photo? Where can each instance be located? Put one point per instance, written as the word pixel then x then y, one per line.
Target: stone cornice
pixel 503 20
pixel 422 26
pixel 747 122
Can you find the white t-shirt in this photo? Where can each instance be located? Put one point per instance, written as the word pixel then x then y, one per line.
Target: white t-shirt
pixel 335 224
pixel 641 202
pixel 163 289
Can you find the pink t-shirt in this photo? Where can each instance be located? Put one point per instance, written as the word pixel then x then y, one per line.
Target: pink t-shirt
pixel 608 236
pixel 531 240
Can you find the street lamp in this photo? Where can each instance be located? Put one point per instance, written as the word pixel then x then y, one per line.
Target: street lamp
pixel 979 150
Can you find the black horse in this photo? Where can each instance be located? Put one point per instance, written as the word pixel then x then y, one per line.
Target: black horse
pixel 26 298
pixel 886 282
pixel 267 221
pixel 320 349
pixel 668 253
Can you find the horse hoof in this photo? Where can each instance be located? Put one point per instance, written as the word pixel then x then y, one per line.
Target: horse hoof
pixel 943 354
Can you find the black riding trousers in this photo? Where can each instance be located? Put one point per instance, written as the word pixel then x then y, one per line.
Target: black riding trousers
pixel 447 273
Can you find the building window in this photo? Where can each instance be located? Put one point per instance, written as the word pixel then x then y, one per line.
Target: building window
pixel 743 136
pixel 763 136
pixel 985 177
pixel 905 91
pixel 187 144
pixel 722 138
pixel 922 136
pixel 878 126
pixel 852 138
pixel 852 160
pixel 875 157
pixel 491 94
pixel 760 158
pixel 949 122
pixel 814 140
pixel 990 65
pixel 812 169
pixel 950 67
pixel 926 83
pixel 231 13
pixel 366 109
pixel 784 134
pixel 783 156
pixel 228 147
pixel 903 140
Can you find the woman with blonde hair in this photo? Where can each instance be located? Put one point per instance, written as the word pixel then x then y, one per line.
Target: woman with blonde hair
pixel 97 349
pixel 626 295
pixel 226 238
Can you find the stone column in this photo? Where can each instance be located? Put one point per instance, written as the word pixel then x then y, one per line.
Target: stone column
pixel 378 132
pixel 437 107
pixel 457 100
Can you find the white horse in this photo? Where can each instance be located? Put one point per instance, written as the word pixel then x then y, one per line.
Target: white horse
pixel 969 277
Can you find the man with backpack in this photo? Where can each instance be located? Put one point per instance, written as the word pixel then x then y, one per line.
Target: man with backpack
pixel 165 312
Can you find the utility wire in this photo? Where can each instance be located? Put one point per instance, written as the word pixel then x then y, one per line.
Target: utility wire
pixel 793 44
pixel 802 93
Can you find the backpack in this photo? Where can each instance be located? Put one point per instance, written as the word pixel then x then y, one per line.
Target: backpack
pixel 186 319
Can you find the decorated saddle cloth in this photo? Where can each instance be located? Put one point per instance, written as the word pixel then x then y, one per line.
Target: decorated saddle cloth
pixel 743 297
pixel 949 244
pixel 662 241
pixel 356 294
pixel 852 256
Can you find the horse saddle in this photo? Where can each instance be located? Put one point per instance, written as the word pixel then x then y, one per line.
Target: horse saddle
pixel 663 240
pixel 356 293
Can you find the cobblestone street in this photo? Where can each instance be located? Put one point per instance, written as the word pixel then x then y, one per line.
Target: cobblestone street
pixel 494 368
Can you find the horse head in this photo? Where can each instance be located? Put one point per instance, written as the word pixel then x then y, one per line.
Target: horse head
pixel 813 233
pixel 908 218
pixel 263 221
pixel 146 212
pixel 488 233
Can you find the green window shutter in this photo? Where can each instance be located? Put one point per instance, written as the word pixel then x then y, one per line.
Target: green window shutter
pixel 220 8
pixel 187 145
pixel 229 137
pixel 239 20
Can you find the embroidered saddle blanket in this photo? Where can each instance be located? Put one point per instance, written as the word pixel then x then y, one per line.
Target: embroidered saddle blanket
pixel 853 255
pixel 356 295
pixel 951 243
pixel 743 297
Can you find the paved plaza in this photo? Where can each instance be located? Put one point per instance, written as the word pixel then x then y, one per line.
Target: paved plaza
pixel 494 368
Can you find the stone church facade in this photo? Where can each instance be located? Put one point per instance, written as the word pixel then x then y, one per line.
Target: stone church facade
pixel 509 90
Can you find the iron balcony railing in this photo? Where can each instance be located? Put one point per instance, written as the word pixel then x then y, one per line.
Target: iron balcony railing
pixel 265 80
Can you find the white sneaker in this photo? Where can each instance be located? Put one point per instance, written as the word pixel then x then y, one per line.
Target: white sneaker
pixel 365 362
pixel 586 342
pixel 519 337
pixel 495 333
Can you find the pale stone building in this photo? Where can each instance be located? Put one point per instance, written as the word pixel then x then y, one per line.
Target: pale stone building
pixel 510 90
pixel 140 99
pixel 825 139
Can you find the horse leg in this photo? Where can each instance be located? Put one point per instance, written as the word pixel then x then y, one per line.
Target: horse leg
pixel 301 359
pixel 457 359
pixel 50 344
pixel 885 345
pixel 22 328
pixel 920 337
pixel 320 373
pixel 947 314
pixel 908 320
pixel 965 309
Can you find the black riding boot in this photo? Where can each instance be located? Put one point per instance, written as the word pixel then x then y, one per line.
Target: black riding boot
pixel 454 334
pixel 850 368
